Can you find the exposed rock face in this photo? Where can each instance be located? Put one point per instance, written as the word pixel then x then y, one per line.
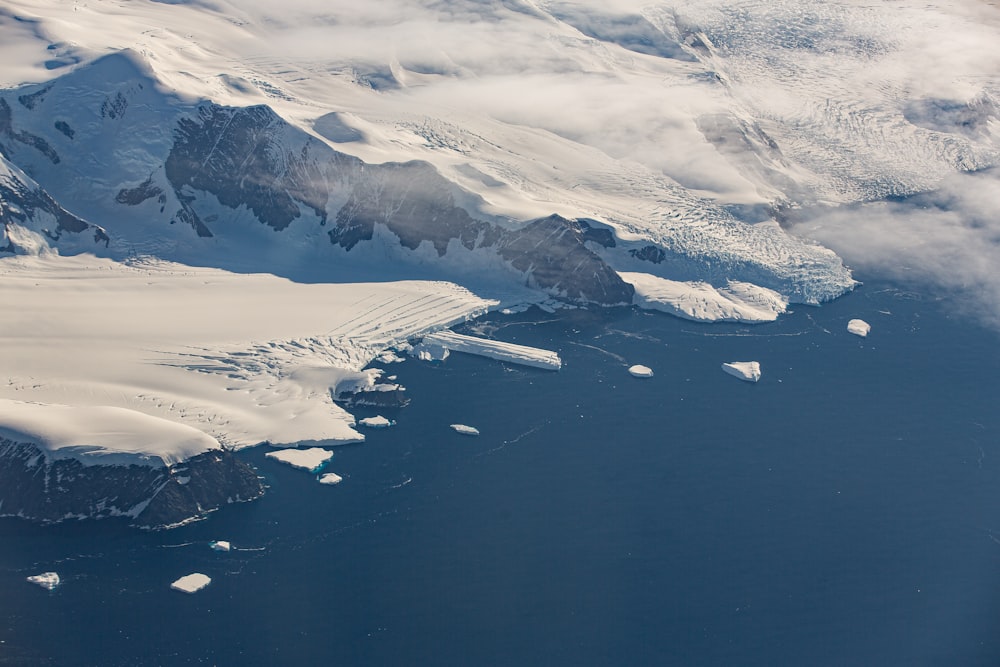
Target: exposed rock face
pixel 184 162
pixel 52 490
pixel 24 203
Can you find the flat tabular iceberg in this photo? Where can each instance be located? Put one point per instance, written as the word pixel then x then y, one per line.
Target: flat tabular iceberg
pixel 47 580
pixel 220 545
pixel 376 422
pixel 330 478
pixel 859 327
pixel 312 459
pixel 640 371
pixel 494 349
pixel 191 583
pixel 465 430
pixel 744 370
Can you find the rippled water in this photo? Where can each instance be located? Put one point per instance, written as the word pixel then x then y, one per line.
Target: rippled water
pixel 845 510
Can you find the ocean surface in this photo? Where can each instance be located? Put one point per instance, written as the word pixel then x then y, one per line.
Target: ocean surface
pixel 845 510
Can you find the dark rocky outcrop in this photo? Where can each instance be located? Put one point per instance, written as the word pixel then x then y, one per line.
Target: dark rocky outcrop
pixel 52 490
pixel 22 202
pixel 8 133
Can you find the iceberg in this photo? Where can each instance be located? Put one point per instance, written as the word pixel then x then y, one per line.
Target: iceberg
pixel 312 459
pixel 330 478
pixel 465 430
pixel 220 545
pixel 859 328
pixel 426 351
pixel 377 422
pixel 47 580
pixel 641 371
pixel 744 370
pixel 738 301
pixel 493 349
pixel 191 583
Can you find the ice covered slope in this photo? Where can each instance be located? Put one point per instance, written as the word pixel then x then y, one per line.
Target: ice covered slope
pixel 242 358
pixel 101 435
pixel 469 176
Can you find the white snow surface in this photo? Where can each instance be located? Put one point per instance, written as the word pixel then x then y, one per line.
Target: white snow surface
pixel 242 358
pixel 191 583
pixel 101 435
pixel 312 459
pixel 744 370
pixel 640 371
pixel 859 328
pixel 736 302
pixel 464 429
pixel 47 580
pixel 330 478
pixel 495 349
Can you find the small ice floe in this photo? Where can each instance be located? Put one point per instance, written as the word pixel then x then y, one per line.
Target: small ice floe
pixel 429 352
pixel 859 327
pixel 377 422
pixel 389 357
pixel 744 370
pixel 330 478
pixel 640 371
pixel 191 583
pixel 47 580
pixel 465 430
pixel 312 459
pixel 220 545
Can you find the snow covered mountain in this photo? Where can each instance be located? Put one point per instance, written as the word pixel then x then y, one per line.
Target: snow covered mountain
pixel 341 161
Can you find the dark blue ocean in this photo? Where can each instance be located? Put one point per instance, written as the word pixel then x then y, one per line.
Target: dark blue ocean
pixel 843 511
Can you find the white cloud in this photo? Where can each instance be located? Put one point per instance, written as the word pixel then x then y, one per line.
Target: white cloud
pixel 949 240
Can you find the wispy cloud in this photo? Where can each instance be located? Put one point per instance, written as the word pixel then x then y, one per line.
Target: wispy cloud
pixel 948 240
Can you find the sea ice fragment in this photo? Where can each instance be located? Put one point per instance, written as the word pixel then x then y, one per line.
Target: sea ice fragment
pixel 744 370
pixel 859 327
pixel 47 580
pixel 312 459
pixel 377 422
pixel 191 583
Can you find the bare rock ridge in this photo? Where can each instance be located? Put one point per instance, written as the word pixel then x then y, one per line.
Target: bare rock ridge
pixel 207 166
pixel 25 204
pixel 53 490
